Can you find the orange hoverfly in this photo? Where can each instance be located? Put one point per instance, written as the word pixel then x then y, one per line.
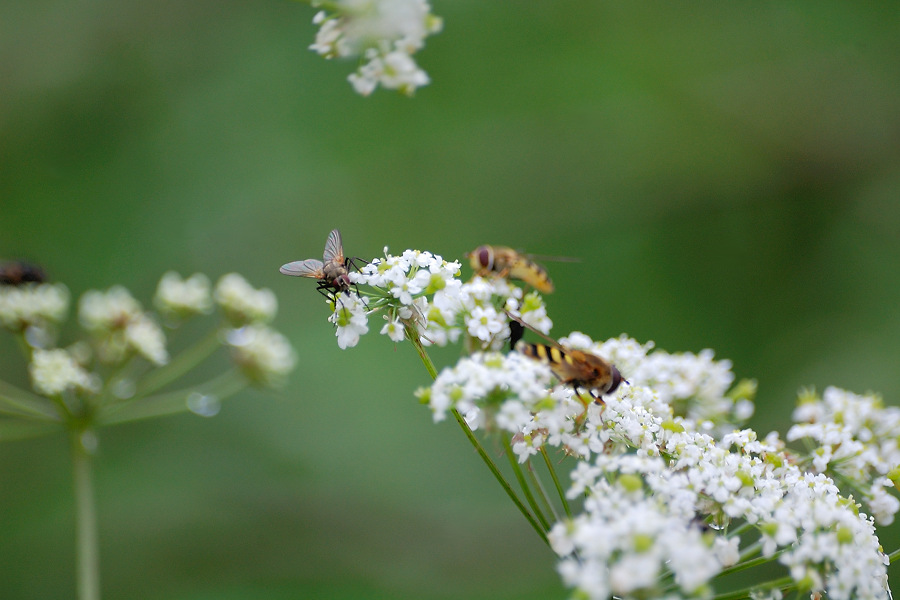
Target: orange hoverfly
pixel 576 368
pixel 332 272
pixel 503 261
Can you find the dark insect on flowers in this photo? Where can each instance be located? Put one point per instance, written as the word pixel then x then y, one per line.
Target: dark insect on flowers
pixel 502 261
pixel 332 272
pixel 17 272
pixel 575 368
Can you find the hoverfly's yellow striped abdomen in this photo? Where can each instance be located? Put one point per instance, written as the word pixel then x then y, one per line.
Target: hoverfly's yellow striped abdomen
pixel 531 273
pixel 544 353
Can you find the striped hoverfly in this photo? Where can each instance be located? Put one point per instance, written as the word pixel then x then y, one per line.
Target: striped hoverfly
pixel 575 368
pixel 502 261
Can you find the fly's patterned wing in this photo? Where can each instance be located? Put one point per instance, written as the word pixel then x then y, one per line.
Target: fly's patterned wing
pixel 305 268
pixel 334 249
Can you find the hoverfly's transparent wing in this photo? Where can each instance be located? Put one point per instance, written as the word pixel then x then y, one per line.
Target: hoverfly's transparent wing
pixel 304 268
pixel 546 258
pixel 334 249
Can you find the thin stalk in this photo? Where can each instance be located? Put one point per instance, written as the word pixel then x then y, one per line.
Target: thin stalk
pixel 520 477
pixel 86 548
pixel 23 403
pixel 181 364
pixel 227 384
pixel 413 336
pixel 784 583
pixel 894 555
pixel 499 476
pixel 542 493
pixel 559 489
pixel 749 564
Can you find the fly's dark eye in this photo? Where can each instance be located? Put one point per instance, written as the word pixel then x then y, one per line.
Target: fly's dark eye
pixel 484 257
pixel 616 380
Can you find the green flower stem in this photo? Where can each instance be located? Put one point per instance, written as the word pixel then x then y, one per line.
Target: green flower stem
pixel 520 477
pixel 894 555
pixel 751 551
pixel 86 549
pixel 170 403
pixel 749 564
pixel 559 489
pixel 785 584
pixel 413 336
pixel 181 364
pixel 24 346
pixel 539 486
pixel 25 404
pixel 498 475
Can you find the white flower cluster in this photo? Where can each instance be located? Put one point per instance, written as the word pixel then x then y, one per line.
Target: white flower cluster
pixel 350 320
pixel 264 355
pixel 654 479
pixel 33 306
pixel 242 303
pixel 385 33
pixel 695 385
pixel 398 285
pixel 180 298
pixel 855 437
pixel 56 371
pixel 121 326
pixel 506 387
pixel 643 516
pixel 481 307
pixel 421 290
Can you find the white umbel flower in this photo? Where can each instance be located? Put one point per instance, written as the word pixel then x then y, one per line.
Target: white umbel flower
pixel 263 354
pixel 350 319
pixel 32 305
pixel 242 303
pixel 148 339
pixel 121 327
pixel 183 297
pixel 385 33
pixel 55 371
pixel 104 311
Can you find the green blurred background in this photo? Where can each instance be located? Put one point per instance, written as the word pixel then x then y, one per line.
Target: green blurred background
pixel 727 172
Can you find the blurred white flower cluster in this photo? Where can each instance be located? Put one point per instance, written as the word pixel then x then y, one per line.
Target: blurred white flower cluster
pixel 120 326
pixel 857 439
pixel 54 372
pixel 126 344
pixel 384 33
pixel 34 310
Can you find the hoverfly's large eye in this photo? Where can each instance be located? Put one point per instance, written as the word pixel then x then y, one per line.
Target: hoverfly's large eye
pixel 485 257
pixel 616 380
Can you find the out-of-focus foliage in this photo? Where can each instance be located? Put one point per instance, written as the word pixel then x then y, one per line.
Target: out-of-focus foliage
pixel 728 174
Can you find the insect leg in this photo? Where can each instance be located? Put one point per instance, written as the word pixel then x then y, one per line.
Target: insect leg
pixel 516 332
